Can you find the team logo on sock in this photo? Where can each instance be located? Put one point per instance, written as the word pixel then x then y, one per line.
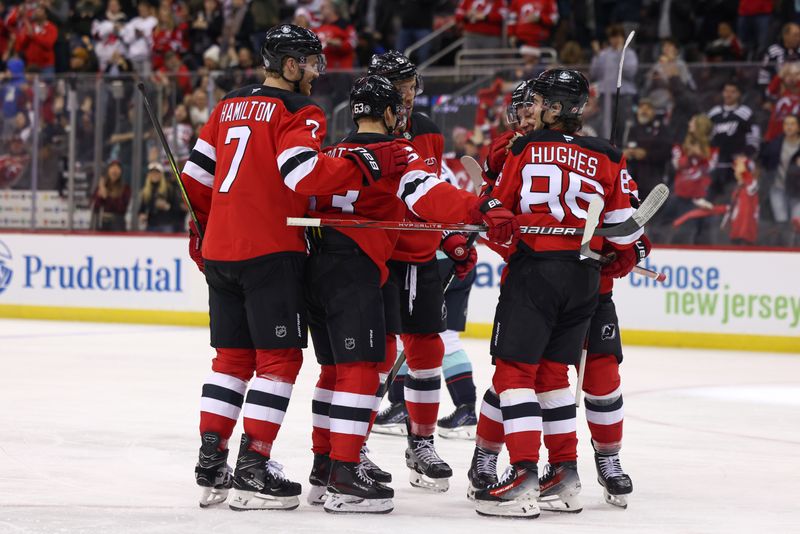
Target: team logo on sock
pixel 609 331
pixel 280 330
pixel 349 343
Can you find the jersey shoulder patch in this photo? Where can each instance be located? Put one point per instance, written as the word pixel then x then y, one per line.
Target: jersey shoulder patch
pixel 293 101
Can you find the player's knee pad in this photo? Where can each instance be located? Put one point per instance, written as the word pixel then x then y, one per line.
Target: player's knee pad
pixel 282 365
pixel 423 351
pixel 513 375
pixel 327 377
pixel 551 376
pixel 357 377
pixel 240 363
pixel 601 376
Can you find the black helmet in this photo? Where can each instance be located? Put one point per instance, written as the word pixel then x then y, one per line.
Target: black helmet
pixel 395 67
pixel 569 87
pixel 371 95
pixel 522 95
pixel 288 40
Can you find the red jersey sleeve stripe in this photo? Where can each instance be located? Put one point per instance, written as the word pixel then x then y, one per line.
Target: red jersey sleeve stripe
pixel 206 149
pixel 414 185
pixel 296 163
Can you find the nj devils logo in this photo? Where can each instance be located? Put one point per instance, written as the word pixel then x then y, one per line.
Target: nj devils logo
pixel 280 330
pixel 609 331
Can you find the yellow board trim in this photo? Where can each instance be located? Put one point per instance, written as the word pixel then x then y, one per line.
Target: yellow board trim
pixel 697 340
pixel 477 330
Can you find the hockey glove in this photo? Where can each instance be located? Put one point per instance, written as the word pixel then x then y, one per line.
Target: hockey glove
pixel 196 247
pixel 503 225
pixel 498 152
pixel 624 260
pixel 455 246
pixel 379 160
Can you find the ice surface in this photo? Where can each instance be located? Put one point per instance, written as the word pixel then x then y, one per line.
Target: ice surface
pixel 99 434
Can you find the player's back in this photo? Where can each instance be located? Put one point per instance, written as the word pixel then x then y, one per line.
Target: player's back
pixel 550 177
pixel 248 134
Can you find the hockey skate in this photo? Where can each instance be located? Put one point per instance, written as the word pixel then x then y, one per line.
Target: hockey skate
pixel 461 424
pixel 320 472
pixel 482 472
pixel 212 472
pixel 259 483
pixel 351 490
pixel 384 477
pixel 392 420
pixel 559 488
pixel 616 484
pixel 514 495
pixel 428 470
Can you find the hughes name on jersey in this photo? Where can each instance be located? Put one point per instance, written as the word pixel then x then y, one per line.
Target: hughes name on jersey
pixel 549 179
pixel 256 159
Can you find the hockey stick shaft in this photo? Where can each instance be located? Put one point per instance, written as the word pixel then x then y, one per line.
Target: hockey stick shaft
pixel 615 116
pixel 176 173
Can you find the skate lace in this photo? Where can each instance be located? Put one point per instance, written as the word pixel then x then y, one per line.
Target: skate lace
pixel 508 474
pixel 276 470
pixel 364 459
pixel 549 472
pixel 610 466
pixel 362 471
pixel 487 462
pixel 425 451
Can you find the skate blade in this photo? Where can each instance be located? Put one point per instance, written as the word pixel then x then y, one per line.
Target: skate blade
pixel 435 485
pixel 250 500
pixel 471 493
pixel 212 496
pixel 391 430
pixel 336 503
pixel 620 501
pixel 565 504
pixel 516 509
pixel 461 432
pixel 316 497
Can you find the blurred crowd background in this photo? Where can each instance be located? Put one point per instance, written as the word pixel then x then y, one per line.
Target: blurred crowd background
pixel 709 100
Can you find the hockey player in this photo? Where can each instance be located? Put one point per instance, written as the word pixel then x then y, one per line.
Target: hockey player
pixel 346 303
pixel 414 271
pixel 548 295
pixel 255 160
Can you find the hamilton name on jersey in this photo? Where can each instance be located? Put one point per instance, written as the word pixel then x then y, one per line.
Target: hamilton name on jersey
pixel 247 110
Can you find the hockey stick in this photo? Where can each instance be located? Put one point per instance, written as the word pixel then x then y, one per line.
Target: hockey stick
pixel 592 220
pixel 640 217
pixel 619 85
pixel 170 158
pixel 473 169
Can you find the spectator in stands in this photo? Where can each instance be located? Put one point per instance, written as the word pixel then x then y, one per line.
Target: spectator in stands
pixel 159 201
pixel 238 26
pixel 692 163
pixel 735 132
pixel 786 51
pixel 647 148
pixel 780 159
pixel 571 54
pixel 669 71
pixel 13 92
pixel 174 73
pixel 482 21
pixel 110 200
pixel 82 60
pixel 14 165
pixel 84 14
pixel 726 47
pixel 106 38
pixel 138 38
pixel 784 90
pixel 742 216
pixel 168 36
pixel 304 18
pixel 338 36
pixel 603 72
pixel 198 108
pixel 35 37
pixel 206 29
pixel 531 22
pixel 625 13
pixel 753 25
pixel 416 23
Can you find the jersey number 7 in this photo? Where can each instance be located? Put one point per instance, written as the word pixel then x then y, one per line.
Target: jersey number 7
pixel 242 135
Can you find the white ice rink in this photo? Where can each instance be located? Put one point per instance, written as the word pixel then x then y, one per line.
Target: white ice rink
pixel 98 433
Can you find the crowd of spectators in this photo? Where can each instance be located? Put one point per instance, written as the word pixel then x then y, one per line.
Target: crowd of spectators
pixel 688 112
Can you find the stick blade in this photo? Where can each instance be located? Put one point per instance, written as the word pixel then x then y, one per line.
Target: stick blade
pixel 592 220
pixel 474 171
pixel 303 221
pixel 651 204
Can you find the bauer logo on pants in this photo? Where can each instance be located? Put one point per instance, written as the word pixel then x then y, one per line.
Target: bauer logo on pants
pixel 280 330
pixel 609 331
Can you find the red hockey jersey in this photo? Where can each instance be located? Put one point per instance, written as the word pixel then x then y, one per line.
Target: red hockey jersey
pixel 787 102
pixel 341 55
pixel 418 192
pixel 549 179
pixel 492 13
pixel 428 142
pixel 254 162
pixel 744 210
pixel 531 21
pixel 692 173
